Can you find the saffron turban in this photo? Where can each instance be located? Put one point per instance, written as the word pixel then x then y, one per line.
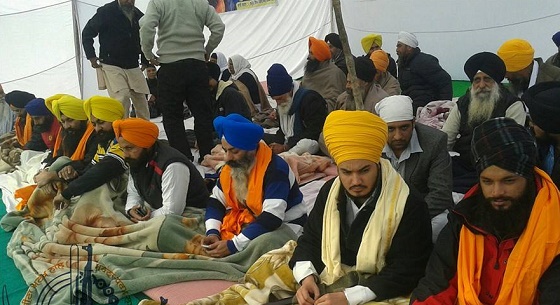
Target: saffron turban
pixel 517 54
pixel 543 102
pixel 334 39
pixel 18 98
pixel 68 105
pixel 556 39
pixel 278 80
pixel 488 63
pixel 354 135
pixel 369 40
pixel 504 143
pixel 395 108
pixel 238 131
pixel 320 49
pixel 136 131
pixel 408 39
pixel 104 108
pixel 37 107
pixel 365 70
pixel 380 60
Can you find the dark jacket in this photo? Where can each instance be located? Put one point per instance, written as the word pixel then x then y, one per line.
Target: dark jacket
pixel 424 80
pixel 405 259
pixel 440 284
pixel 392 68
pixel 232 101
pixel 78 165
pixel 147 180
pixel 119 38
pixel 310 111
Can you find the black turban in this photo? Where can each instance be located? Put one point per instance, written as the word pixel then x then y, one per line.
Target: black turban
pixel 504 143
pixel 488 63
pixel 213 70
pixel 334 39
pixel 365 70
pixel 19 98
pixel 543 101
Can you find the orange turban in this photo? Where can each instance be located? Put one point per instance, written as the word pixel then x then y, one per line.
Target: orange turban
pixel 104 108
pixel 137 131
pixel 369 135
pixel 517 54
pixel 380 60
pixel 320 49
pixel 68 105
pixel 369 40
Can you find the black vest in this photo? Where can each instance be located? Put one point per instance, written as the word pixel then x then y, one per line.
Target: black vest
pixel 463 143
pixel 147 180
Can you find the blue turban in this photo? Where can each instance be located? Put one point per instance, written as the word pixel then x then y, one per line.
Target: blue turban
pixel 19 98
pixel 278 80
pixel 37 107
pixel 238 131
pixel 556 39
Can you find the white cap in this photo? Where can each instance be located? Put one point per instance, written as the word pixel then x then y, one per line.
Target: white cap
pixel 395 108
pixel 408 39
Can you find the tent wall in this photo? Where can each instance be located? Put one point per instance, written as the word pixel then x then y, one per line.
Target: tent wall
pixel 39 54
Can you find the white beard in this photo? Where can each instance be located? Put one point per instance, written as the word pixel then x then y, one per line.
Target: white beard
pixel 482 105
pixel 284 108
pixel 240 176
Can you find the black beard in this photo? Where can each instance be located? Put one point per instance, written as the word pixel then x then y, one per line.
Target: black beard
pixel 312 65
pixel 519 85
pixel 140 162
pixel 508 223
pixel 46 126
pixel 103 137
pixel 245 163
pixel 71 138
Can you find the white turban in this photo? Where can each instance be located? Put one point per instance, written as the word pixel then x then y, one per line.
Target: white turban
pixel 395 108
pixel 408 39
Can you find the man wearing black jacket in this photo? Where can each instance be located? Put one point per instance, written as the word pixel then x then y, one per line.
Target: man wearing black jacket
pixel 228 98
pixel 116 23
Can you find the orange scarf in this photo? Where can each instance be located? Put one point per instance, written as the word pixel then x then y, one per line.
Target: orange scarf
pixel 23 135
pixel 239 215
pixel 80 150
pixel 533 253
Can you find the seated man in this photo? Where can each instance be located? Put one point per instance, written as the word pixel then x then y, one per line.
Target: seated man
pixel 300 112
pixel 371 91
pixel 555 59
pixel 373 42
pixel 45 125
pixel 255 194
pixel 25 138
pixel 502 242
pixel 337 54
pixel 487 98
pixel 419 154
pixel 386 80
pixel 228 98
pixel 8 117
pixel 160 175
pixel 362 255
pixel 108 165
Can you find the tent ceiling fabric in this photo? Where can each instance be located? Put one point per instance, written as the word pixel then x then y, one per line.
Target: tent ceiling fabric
pixel 39 52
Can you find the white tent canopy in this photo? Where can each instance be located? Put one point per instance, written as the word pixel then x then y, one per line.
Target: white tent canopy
pixel 41 51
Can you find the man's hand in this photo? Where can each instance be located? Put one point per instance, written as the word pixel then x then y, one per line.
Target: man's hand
pixel 335 298
pixel 154 61
pixel 216 249
pixel 137 211
pixel 44 177
pixel 67 173
pixel 278 148
pixel 308 292
pixel 60 202
pixel 95 62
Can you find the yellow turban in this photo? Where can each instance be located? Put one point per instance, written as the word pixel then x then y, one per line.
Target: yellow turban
pixel 517 54
pixel 380 60
pixel 68 105
pixel 104 108
pixel 137 131
pixel 353 135
pixel 369 40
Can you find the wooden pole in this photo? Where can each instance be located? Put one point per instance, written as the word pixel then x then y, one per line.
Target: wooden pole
pixel 358 100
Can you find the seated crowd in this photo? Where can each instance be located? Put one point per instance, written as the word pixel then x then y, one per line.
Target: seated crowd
pixel 389 227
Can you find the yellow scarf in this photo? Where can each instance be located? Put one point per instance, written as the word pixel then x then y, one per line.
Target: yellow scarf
pixel 533 253
pixel 379 231
pixel 23 134
pixel 239 215
pixel 80 151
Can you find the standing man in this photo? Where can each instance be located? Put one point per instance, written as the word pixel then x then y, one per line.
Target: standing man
pixel 116 23
pixel 183 75
pixel 420 75
pixel 502 242
pixel 367 238
pixel 555 59
pixel 337 55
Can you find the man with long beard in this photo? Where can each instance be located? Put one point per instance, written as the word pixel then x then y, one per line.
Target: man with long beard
pixel 45 126
pixel 160 175
pixel 300 112
pixel 487 98
pixel 502 242
pixel 256 192
pixel 321 74
pixel 107 165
